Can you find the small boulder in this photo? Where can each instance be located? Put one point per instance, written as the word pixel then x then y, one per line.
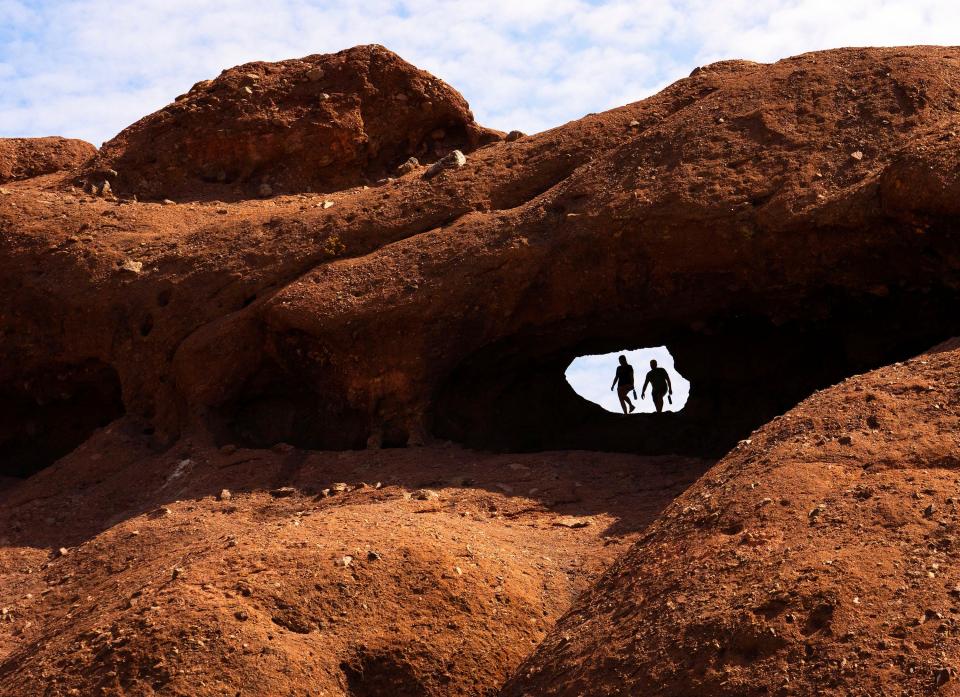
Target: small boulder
pixel 454 160
pixel 514 135
pixel 409 166
pixel 283 492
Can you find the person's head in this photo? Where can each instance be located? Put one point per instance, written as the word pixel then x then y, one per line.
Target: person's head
pixel 653 364
pixel 623 360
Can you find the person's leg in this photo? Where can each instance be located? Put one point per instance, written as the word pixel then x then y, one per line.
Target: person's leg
pixel 622 396
pixel 626 399
pixel 658 401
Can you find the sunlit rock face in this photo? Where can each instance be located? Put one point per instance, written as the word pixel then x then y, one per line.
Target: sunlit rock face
pixel 591 377
pixel 725 217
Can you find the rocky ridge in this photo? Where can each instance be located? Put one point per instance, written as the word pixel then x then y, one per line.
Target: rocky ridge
pixel 180 359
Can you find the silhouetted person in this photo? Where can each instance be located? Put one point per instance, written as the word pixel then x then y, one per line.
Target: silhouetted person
pixel 625 378
pixel 659 382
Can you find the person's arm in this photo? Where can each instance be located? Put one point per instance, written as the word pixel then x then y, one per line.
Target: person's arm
pixel 669 385
pixel 645 383
pixel 615 378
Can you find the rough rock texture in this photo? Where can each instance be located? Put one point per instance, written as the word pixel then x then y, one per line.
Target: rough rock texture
pixel 416 573
pixel 819 557
pixel 23 158
pixel 779 227
pixel 731 222
pixel 320 123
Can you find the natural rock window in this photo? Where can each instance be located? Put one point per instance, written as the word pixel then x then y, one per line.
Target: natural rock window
pixel 591 376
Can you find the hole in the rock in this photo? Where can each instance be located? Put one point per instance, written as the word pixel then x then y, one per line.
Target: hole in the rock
pixel 592 377
pixel 146 326
pixel 46 414
pixel 373 674
pixel 746 367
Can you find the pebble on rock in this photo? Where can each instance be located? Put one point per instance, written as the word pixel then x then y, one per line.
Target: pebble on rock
pixel 410 165
pixel 454 160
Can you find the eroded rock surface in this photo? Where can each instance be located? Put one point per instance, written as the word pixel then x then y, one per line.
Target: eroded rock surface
pixel 816 558
pixel 724 217
pixel 317 573
pixel 23 158
pixel 779 227
pixel 320 123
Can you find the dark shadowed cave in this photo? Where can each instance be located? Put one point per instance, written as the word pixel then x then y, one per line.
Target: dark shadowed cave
pixel 744 370
pixel 47 413
pixel 512 395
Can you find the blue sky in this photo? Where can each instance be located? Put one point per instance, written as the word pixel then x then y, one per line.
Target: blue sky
pixel 88 68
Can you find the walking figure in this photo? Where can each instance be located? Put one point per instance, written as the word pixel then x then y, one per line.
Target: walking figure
pixel 625 378
pixel 659 382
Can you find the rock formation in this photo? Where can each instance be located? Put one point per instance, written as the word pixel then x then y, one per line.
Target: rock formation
pixel 816 558
pixel 24 158
pixel 412 573
pixel 320 123
pixel 724 217
pixel 779 227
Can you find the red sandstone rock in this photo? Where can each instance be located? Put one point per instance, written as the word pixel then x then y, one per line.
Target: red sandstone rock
pixel 724 217
pixel 320 123
pixel 370 591
pixel 731 218
pixel 816 558
pixel 23 158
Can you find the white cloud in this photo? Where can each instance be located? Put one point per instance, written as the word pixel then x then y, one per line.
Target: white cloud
pixel 88 68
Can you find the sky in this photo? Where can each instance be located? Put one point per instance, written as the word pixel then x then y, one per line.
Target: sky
pixel 591 378
pixel 88 68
